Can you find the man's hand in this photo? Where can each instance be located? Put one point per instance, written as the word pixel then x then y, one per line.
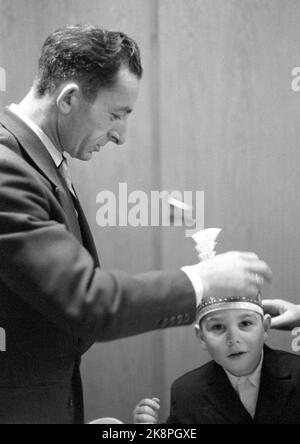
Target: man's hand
pixel 146 412
pixel 233 274
pixel 285 315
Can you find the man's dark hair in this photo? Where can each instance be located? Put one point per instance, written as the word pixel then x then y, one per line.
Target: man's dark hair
pixel 87 54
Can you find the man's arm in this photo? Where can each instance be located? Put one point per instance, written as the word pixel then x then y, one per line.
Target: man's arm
pixel 285 315
pixel 42 263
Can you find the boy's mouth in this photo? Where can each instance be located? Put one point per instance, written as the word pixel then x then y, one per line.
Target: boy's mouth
pixel 236 355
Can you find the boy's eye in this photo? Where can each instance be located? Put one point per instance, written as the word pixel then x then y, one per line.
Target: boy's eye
pixel 218 327
pixel 246 323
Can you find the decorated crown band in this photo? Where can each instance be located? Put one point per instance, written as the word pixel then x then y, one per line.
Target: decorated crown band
pixel 211 305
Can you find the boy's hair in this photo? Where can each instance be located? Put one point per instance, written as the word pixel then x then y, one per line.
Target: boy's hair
pixel 87 54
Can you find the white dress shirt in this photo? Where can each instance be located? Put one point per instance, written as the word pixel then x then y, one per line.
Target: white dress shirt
pixel 247 387
pixel 58 158
pixel 196 281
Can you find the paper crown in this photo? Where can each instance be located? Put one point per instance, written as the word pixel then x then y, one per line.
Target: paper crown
pixel 206 243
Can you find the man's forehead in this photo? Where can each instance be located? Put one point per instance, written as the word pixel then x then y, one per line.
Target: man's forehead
pixel 125 81
pixel 122 95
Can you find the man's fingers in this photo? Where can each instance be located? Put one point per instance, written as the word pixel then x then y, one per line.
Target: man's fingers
pixel 282 322
pixel 248 256
pixel 272 306
pixel 285 315
pixel 256 265
pixel 261 269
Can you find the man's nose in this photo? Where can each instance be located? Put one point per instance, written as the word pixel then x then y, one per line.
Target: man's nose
pixel 118 136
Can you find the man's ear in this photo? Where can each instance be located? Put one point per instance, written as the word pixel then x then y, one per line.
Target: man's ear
pixel 199 334
pixel 68 98
pixel 267 325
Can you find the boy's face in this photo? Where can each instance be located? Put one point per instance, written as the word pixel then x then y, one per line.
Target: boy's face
pixel 234 339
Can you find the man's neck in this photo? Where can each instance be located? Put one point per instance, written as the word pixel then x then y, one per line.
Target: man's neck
pixel 42 112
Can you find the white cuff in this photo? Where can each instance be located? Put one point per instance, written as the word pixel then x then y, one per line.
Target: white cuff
pixel 196 281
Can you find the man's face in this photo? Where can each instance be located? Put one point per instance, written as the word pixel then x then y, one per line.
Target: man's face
pixel 234 339
pixel 90 126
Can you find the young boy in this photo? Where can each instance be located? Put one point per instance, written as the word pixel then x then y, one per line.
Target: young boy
pixel 246 383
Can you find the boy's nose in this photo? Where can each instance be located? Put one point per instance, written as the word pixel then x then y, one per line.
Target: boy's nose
pixel 232 337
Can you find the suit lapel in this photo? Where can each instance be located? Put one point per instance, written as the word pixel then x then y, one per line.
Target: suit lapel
pixel 68 206
pixel 33 146
pixel 225 400
pixel 275 389
pixel 87 237
pixel 44 164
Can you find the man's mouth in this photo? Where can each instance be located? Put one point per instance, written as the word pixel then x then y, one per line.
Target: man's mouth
pixel 96 149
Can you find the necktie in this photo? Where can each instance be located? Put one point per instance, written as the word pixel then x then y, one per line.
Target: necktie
pixel 64 170
pixel 248 395
pixel 86 235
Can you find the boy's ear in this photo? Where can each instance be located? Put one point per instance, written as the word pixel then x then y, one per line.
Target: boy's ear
pixel 267 325
pixel 199 334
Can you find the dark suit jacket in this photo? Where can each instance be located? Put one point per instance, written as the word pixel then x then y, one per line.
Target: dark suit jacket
pixel 55 300
pixel 206 396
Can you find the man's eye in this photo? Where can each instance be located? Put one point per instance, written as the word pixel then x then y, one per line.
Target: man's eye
pixel 116 117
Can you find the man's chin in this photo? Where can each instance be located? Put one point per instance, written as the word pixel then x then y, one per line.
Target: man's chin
pixel 85 157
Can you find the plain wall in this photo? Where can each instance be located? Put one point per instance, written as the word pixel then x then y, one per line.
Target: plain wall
pixel 216 114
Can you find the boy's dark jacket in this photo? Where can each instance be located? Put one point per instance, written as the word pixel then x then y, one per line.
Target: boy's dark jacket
pixel 206 396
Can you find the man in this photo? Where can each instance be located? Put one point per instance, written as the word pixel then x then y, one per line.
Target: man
pixel 55 300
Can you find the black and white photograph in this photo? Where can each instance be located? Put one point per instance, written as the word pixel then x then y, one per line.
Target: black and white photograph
pixel 149 214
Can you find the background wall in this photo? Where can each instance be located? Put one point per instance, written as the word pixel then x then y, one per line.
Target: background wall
pixel 216 113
